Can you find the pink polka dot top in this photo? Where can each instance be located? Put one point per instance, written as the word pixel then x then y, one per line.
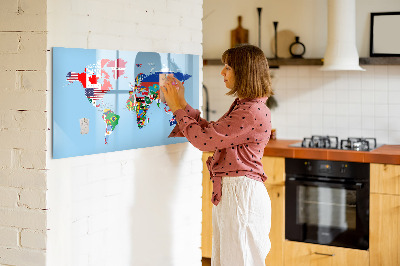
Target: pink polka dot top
pixel 238 140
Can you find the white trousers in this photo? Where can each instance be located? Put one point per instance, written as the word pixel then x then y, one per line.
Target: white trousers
pixel 241 223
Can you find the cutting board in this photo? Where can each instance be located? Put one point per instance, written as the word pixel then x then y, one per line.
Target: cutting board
pixel 239 35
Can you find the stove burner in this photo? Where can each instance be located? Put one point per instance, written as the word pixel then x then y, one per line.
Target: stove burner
pixel 358 144
pixel 332 142
pixel 328 142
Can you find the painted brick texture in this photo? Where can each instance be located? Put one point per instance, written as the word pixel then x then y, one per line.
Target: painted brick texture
pixel 23 129
pixel 9 237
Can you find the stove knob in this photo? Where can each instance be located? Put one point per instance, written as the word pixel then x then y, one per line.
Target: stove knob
pixel 308 166
pixel 343 168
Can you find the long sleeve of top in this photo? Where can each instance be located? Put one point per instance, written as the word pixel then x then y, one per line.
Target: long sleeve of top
pixel 193 113
pixel 238 139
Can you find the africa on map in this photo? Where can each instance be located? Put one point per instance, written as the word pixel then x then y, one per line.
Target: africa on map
pixel 108 100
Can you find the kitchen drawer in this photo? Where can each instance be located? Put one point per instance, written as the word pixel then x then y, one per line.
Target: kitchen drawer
pixel 305 254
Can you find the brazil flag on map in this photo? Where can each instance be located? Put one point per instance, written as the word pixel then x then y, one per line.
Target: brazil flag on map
pixel 110 100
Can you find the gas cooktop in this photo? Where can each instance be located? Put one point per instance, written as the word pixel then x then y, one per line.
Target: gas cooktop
pixel 332 142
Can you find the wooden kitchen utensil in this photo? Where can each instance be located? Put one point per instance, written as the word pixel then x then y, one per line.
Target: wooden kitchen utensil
pixel 239 35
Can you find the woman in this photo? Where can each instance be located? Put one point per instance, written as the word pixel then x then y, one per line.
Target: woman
pixel 242 211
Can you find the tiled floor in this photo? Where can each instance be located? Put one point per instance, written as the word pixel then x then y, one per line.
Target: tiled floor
pixel 206 261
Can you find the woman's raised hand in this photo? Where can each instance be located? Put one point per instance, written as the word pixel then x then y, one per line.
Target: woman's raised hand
pixel 181 91
pixel 174 93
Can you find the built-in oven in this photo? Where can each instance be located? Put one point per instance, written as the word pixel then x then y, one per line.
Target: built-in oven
pixel 327 202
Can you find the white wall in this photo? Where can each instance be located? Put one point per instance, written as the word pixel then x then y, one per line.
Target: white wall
pixel 305 18
pixel 343 104
pixel 135 207
pixel 311 102
pixel 23 133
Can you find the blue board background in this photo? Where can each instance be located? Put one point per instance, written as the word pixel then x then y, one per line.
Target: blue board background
pixel 70 103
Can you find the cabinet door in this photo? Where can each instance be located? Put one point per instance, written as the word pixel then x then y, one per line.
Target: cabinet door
pixel 277 233
pixel 274 168
pixel 304 254
pixel 206 232
pixel 385 178
pixel 384 236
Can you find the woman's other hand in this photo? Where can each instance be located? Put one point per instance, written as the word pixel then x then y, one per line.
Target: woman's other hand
pixel 174 93
pixel 181 92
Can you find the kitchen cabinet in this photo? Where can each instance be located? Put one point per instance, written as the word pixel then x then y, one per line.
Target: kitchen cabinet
pixel 274 168
pixel 384 221
pixel 385 178
pixel 277 233
pixel 385 230
pixel 206 225
pixel 305 254
pixel 385 214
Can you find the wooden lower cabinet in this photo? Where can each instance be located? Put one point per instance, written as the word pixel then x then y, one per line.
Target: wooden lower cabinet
pixel 385 178
pixel 277 233
pixel 384 236
pixel 384 230
pixel 274 168
pixel 384 248
pixel 206 225
pixel 305 254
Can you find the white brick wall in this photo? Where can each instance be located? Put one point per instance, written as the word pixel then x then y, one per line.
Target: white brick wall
pixel 9 237
pixel 23 178
pixel 23 15
pixel 119 208
pixel 24 256
pixel 9 197
pixel 23 129
pixel 33 239
pixel 23 218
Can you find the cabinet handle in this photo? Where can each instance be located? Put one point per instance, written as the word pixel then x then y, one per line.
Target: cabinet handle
pixel 324 254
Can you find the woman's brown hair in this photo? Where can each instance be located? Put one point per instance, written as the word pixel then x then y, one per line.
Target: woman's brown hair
pixel 250 66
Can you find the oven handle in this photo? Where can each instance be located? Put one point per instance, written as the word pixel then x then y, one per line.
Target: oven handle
pixel 357 185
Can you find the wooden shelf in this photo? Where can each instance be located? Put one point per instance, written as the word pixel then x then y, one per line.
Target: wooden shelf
pixel 380 61
pixel 274 63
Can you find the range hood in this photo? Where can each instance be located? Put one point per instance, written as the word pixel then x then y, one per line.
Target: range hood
pixel 341 51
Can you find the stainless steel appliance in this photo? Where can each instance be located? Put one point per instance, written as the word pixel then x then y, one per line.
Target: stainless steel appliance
pixel 332 142
pixel 327 202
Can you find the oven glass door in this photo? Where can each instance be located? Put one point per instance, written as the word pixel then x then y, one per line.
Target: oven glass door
pixel 326 207
pixel 326 213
